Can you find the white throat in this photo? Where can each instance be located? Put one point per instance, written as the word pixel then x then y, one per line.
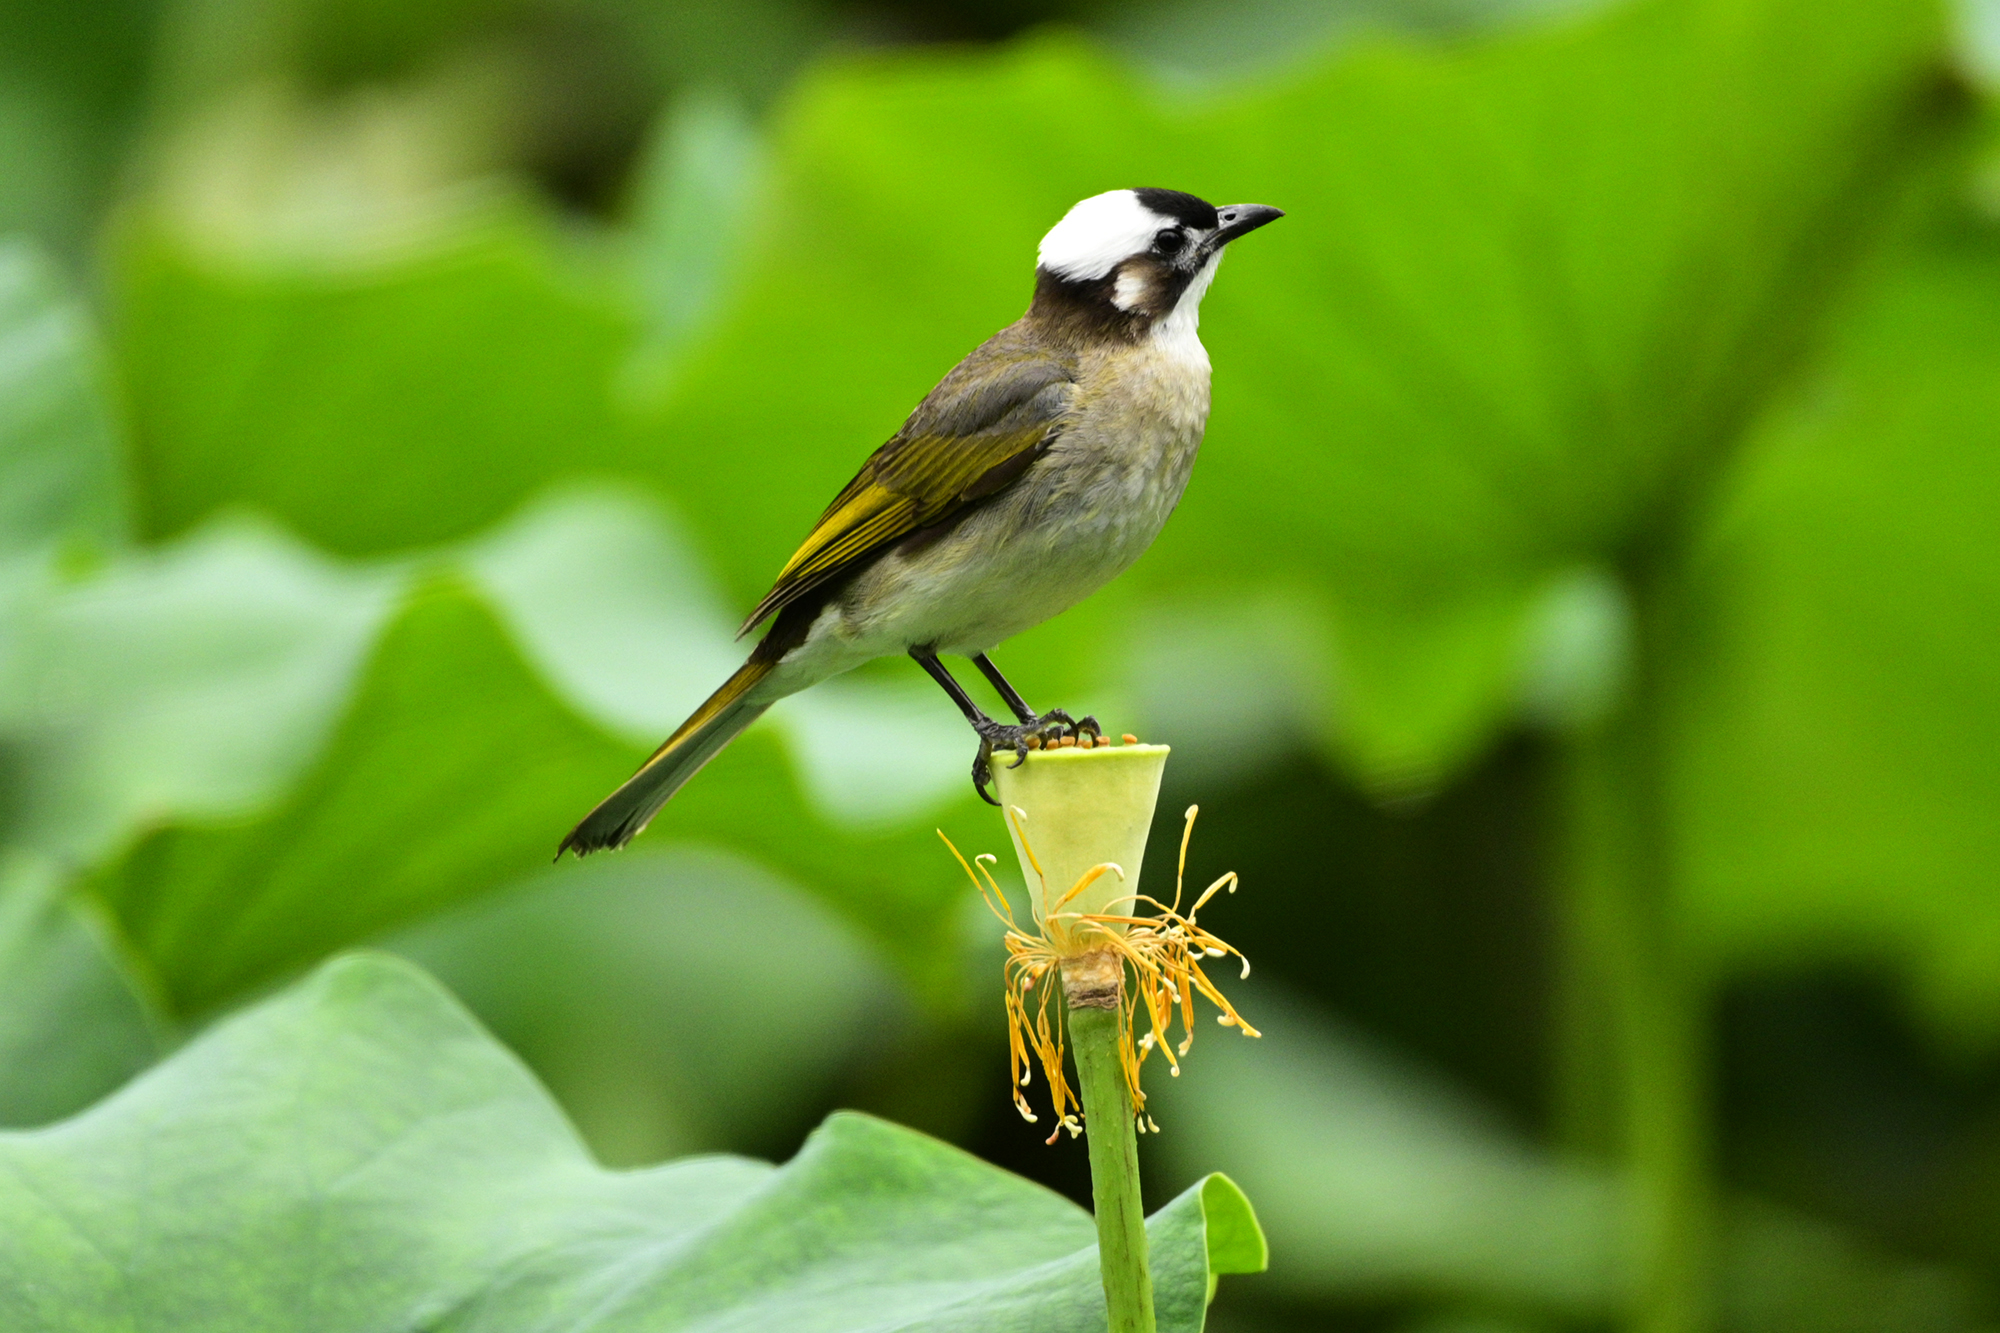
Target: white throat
pixel 1178 333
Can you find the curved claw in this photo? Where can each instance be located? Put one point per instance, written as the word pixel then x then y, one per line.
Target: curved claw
pixel 1050 726
pixel 982 773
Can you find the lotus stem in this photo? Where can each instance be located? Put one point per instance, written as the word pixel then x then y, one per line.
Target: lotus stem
pixel 1079 817
pixel 1093 991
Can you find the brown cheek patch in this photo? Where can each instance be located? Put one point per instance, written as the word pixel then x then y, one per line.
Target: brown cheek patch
pixel 1162 285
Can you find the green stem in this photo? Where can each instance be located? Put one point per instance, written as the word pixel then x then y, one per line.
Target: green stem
pixel 1636 1070
pixel 1114 1169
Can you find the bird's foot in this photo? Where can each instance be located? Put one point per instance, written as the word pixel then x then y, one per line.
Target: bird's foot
pixel 1085 726
pixel 1045 731
pixel 1056 725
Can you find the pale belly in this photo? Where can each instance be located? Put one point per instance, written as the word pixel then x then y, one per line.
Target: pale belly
pixel 1007 569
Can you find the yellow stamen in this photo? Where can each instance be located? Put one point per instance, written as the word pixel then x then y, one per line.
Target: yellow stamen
pixel 1162 957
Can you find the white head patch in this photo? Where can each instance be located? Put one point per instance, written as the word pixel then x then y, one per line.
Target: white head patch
pixel 1096 234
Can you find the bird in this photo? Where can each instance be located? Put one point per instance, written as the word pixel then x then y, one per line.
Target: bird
pixel 1038 469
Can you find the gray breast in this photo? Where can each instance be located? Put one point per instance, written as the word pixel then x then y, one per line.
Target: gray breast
pixel 1130 446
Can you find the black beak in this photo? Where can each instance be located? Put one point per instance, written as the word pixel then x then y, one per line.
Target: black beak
pixel 1242 219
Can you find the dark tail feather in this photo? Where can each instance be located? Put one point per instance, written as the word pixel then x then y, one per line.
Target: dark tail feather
pixel 624 814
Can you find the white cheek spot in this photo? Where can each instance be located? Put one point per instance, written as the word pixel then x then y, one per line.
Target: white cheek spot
pixel 1130 291
pixel 1096 234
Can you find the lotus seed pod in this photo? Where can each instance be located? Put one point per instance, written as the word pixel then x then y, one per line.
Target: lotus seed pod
pixel 1079 809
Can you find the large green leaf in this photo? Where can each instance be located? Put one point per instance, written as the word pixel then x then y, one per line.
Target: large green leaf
pixel 71 1026
pixel 357 1154
pixel 305 768
pixel 383 348
pixel 1528 290
pixel 674 999
pixel 1201 42
pixel 1836 690
pixel 376 410
pixel 58 462
pixel 445 777
pixel 694 196
pixel 193 681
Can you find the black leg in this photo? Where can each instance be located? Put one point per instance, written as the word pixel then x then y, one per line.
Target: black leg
pixel 1055 719
pixel 1031 732
pixel 1007 691
pixel 986 727
pixel 973 713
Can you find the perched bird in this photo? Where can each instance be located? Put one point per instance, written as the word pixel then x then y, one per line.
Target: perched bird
pixel 1040 467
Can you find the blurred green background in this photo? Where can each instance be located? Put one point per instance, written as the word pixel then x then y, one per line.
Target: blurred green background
pixel 1582 631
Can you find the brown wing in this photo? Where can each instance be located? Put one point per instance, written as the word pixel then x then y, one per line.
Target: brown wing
pixel 976 432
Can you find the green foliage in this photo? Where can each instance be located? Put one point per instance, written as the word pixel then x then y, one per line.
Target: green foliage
pixel 1524 299
pixel 70 85
pixel 178 682
pixel 71 1026
pixel 58 474
pixel 426 793
pixel 1595 357
pixel 1838 722
pixel 673 999
pixel 357 1154
pixel 1373 1176
pixel 325 757
pixel 344 394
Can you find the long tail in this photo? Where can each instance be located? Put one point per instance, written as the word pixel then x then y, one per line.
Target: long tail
pixel 624 814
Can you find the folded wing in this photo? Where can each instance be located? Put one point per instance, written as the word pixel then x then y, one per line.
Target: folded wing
pixel 997 412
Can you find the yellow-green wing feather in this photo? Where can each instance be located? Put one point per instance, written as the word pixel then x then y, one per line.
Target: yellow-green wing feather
pixel 997 411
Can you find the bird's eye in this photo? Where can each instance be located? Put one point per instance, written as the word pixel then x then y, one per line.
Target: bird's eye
pixel 1169 241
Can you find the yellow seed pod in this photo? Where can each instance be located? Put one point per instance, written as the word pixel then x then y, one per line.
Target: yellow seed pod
pixel 1080 809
